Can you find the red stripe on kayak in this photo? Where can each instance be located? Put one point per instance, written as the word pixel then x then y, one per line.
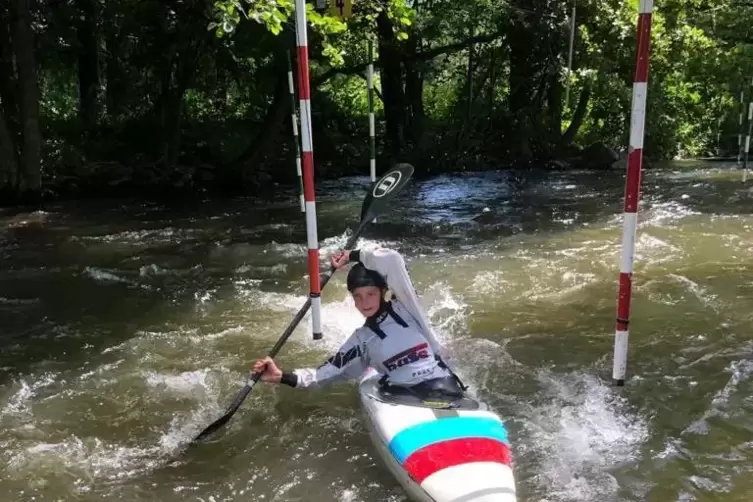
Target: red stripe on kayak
pixel 435 457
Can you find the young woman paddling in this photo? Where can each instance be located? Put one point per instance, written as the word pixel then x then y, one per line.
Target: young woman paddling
pixel 396 338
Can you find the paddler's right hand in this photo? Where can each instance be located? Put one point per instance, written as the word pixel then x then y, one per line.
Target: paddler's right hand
pixel 340 259
pixel 269 370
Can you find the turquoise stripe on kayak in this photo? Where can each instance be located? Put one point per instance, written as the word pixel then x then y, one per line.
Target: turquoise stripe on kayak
pixel 412 439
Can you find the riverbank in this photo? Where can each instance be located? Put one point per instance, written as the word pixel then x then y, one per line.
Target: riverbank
pixel 194 179
pixel 69 178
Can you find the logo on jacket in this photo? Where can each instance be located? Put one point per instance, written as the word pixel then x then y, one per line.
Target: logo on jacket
pixel 388 183
pixel 411 355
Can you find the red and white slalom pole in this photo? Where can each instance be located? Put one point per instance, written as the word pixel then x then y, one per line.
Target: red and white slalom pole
pixel 307 155
pixel 632 189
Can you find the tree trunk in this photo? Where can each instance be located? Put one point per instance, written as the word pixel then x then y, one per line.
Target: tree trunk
pixel 173 121
pixel 414 92
pixel 521 81
pixel 492 85
pixel 392 86
pixel 114 79
pixel 8 77
pixel 185 70
pixel 31 179
pixel 8 159
pixel 465 119
pixel 88 64
pixel 278 111
pixel 469 80
pixel 164 102
pixel 579 116
pixel 414 83
pixel 276 114
pixel 554 105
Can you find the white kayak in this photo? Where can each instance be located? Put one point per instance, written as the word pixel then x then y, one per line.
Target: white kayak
pixel 440 450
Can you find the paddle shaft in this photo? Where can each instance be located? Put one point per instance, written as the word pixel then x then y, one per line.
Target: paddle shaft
pixel 297 319
pixel 281 341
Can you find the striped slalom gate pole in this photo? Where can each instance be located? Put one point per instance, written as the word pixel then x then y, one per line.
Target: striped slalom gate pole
pixel 740 125
pixel 632 189
pixel 570 52
pixel 307 155
pixel 294 116
pixel 372 127
pixel 747 136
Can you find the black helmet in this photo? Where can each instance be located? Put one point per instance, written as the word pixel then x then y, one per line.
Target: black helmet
pixel 360 276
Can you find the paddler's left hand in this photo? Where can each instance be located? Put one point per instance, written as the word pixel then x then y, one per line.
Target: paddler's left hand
pixel 340 259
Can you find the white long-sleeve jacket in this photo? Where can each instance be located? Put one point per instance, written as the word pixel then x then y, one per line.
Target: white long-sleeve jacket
pixel 398 343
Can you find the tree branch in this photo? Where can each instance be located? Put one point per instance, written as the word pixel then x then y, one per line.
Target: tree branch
pixel 421 56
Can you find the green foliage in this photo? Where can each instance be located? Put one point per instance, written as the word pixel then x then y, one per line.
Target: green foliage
pixel 694 73
pixel 402 17
pixel 225 66
pixel 274 14
pixel 350 95
pixel 271 13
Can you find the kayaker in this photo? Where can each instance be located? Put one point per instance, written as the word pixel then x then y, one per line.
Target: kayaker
pixel 396 338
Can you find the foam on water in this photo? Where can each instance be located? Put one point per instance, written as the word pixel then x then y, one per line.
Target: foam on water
pixel 184 427
pixel 569 282
pixel 19 401
pixel 706 298
pixel 741 371
pixel 88 460
pixel 278 269
pixel 580 432
pixel 656 213
pixel 653 250
pixel 665 214
pixel 489 282
pixel 102 275
pixel 446 310
pixel 44 455
pixel 187 383
pixel 13 302
pixel 154 270
pixel 144 237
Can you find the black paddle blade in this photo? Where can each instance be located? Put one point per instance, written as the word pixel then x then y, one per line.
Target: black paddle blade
pixel 384 189
pixel 228 414
pixel 213 427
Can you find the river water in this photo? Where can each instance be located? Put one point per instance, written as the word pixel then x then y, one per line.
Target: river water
pixel 125 328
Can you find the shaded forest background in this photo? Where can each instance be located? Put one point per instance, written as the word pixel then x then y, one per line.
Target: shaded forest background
pixel 173 97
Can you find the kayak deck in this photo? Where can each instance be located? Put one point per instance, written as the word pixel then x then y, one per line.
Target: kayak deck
pixel 441 449
pixel 375 391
